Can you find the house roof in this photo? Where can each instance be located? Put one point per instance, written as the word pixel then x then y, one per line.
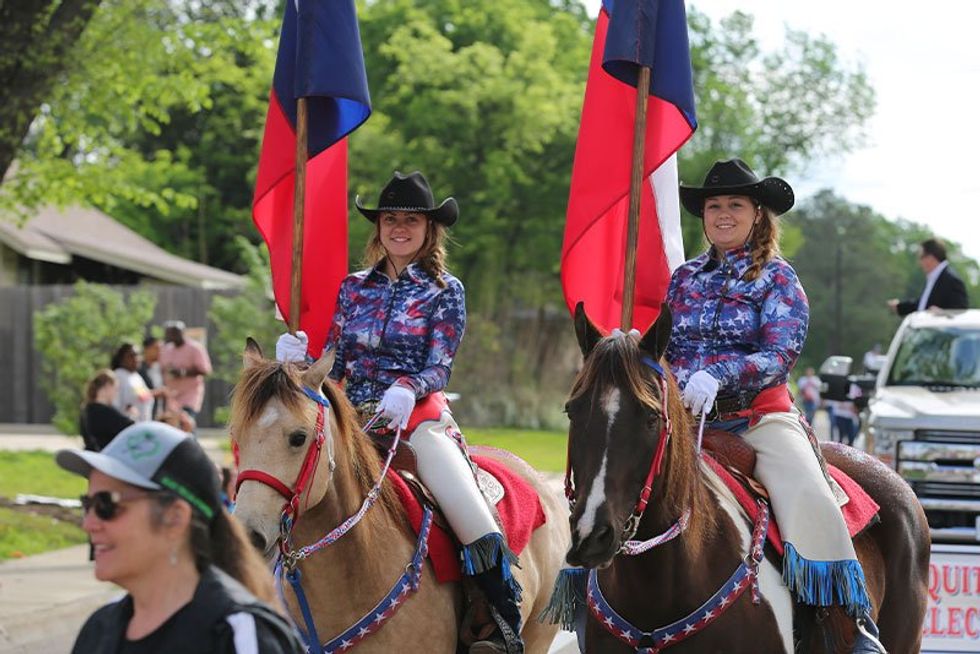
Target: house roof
pixel 56 235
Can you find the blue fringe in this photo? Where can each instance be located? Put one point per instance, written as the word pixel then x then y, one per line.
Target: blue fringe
pixel 485 554
pixel 826 583
pixel 567 598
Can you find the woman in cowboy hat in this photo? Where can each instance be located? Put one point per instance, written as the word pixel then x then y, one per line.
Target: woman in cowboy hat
pixel 395 332
pixel 740 320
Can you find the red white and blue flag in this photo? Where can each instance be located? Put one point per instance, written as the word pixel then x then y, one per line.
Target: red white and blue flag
pixel 320 58
pixel 629 34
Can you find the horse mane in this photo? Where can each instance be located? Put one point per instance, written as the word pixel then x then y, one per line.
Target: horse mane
pixel 618 361
pixel 266 380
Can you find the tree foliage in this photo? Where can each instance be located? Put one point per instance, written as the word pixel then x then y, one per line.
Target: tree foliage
pixel 248 313
pixel 74 335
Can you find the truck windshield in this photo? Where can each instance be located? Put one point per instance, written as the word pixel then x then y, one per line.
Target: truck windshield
pixel 938 356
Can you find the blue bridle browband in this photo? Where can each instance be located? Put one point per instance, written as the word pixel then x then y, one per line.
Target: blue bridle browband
pixel 653 365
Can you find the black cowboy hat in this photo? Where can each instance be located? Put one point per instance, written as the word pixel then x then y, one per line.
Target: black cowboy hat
pixel 734 177
pixel 411 193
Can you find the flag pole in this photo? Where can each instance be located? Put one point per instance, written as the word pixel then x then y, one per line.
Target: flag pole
pixel 636 179
pixel 299 198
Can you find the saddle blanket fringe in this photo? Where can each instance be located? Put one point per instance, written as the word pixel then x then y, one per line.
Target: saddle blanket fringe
pixel 486 553
pixel 568 598
pixel 825 583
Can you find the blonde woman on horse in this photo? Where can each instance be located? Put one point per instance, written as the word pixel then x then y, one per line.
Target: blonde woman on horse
pixel 740 318
pixel 395 332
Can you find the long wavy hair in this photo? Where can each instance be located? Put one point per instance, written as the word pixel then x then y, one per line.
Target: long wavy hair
pixel 431 256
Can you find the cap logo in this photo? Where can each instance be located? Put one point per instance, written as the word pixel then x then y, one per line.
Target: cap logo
pixel 142 445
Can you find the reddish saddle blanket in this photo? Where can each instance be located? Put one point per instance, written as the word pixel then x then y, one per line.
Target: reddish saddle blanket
pixel 859 511
pixel 520 512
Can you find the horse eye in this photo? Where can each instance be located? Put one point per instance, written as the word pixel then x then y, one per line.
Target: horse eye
pixel 653 421
pixel 297 438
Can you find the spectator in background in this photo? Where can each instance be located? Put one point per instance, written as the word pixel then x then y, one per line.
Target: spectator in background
pixel 943 290
pixel 134 398
pixel 185 364
pixel 809 387
pixel 845 417
pixel 152 374
pixel 100 421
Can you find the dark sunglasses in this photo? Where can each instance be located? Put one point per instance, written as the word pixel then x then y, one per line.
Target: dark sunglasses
pixel 106 503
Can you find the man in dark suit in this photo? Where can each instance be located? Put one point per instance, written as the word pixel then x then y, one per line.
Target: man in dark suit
pixel 943 290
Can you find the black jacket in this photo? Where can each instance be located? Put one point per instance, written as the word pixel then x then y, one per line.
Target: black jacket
pixel 99 424
pixel 949 292
pixel 203 629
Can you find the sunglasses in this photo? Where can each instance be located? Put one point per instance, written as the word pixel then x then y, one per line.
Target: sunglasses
pixel 106 504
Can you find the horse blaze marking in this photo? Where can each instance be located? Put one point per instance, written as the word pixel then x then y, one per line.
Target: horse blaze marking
pixel 269 417
pixel 597 494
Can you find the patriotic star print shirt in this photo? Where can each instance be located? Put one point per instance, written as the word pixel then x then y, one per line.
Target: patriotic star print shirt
pixel 405 331
pixel 746 334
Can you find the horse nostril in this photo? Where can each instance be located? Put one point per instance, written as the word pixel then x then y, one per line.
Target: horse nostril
pixel 258 540
pixel 602 535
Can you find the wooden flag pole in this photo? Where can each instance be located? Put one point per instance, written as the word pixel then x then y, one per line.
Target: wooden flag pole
pixel 633 224
pixel 299 197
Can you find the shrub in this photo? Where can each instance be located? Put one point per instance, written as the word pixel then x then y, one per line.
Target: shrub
pixel 77 335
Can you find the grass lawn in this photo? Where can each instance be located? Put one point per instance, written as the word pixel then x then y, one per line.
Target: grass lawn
pixel 25 530
pixel 23 533
pixel 36 473
pixel 545 450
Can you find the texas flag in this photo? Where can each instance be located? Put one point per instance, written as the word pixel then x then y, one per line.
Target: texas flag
pixel 320 58
pixel 629 34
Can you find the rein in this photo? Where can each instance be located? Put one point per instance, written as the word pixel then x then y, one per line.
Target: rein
pixel 287 563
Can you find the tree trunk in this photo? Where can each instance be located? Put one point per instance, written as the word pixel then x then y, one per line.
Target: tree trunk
pixel 36 37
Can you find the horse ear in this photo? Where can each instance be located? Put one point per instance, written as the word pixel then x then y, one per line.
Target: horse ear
pixel 587 333
pixel 655 341
pixel 315 375
pixel 252 353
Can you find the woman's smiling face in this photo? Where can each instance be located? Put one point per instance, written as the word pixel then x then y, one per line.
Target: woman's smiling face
pixel 728 220
pixel 402 235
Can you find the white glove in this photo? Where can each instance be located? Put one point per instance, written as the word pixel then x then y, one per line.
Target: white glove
pixel 292 348
pixel 699 394
pixel 396 405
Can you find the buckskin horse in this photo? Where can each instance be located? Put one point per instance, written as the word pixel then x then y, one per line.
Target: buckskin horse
pixel 298 438
pixel 668 551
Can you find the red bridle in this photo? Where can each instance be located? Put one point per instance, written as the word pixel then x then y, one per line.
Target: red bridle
pixel 633 523
pixel 306 472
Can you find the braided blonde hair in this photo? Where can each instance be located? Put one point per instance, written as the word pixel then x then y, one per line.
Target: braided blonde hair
pixel 765 242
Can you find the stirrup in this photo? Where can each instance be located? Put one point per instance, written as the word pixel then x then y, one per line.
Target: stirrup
pixel 504 640
pixel 869 636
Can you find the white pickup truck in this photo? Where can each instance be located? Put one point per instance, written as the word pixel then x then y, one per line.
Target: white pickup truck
pixel 923 418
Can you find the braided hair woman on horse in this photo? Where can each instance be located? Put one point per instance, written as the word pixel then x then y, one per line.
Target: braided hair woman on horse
pixel 396 329
pixel 740 318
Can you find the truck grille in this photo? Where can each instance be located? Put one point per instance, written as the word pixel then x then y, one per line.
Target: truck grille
pixel 940 489
pixel 959 437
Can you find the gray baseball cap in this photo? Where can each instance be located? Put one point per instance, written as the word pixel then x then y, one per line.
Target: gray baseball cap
pixel 156 456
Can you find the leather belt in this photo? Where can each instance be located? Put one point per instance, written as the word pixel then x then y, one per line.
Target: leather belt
pixel 729 403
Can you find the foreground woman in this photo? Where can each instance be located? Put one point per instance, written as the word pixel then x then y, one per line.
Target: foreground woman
pixel 194 584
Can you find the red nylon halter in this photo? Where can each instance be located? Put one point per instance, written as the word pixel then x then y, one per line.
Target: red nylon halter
pixel 306 472
pixel 655 465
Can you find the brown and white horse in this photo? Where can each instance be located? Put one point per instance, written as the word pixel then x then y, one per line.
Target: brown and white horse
pixel 274 423
pixel 617 412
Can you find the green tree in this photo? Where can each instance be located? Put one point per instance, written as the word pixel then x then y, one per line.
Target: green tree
pixel 248 313
pixel 77 336
pixel 138 64
pixel 777 110
pixel 36 42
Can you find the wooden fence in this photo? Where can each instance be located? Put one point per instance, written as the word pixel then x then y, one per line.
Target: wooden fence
pixel 22 399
